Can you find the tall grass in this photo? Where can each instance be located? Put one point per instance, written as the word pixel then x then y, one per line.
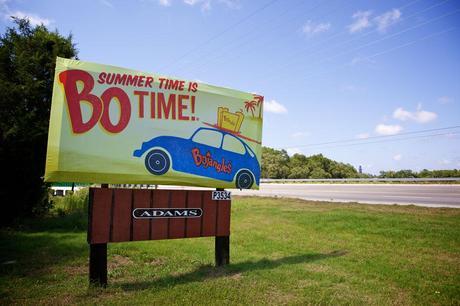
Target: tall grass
pixel 76 203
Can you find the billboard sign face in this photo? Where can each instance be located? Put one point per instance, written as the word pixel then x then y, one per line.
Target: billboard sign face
pixel 115 125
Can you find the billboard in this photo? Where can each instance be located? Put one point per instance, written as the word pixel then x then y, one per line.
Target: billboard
pixel 121 126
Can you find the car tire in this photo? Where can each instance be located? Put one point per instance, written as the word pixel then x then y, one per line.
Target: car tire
pixel 157 162
pixel 244 179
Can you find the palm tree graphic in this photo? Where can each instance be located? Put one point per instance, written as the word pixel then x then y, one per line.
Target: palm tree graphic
pixel 250 106
pixel 259 100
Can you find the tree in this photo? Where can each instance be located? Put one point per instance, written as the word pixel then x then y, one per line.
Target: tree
pixel 299 167
pixel 27 61
pixel 274 163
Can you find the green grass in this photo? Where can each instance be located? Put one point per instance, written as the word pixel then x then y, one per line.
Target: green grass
pixel 282 252
pixel 368 182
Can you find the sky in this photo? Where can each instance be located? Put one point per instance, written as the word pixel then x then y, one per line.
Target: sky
pixel 370 83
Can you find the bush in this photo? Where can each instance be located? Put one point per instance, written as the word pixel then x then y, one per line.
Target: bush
pixel 76 203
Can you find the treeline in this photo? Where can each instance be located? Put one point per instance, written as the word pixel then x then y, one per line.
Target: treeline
pixel 277 164
pixel 422 174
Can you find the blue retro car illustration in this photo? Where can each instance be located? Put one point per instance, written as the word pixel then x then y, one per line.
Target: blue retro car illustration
pixel 209 152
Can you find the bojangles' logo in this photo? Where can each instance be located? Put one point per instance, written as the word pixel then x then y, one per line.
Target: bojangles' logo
pixel 207 161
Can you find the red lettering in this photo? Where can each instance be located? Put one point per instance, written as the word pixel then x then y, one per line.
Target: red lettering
pixel 125 79
pixel 140 82
pixel 120 79
pixel 110 78
pixel 100 106
pixel 181 107
pixel 193 86
pixel 69 79
pixel 125 109
pixel 132 80
pixel 148 82
pixel 102 76
pixel 197 156
pixel 207 161
pixel 161 82
pixel 152 105
pixel 141 95
pixel 164 108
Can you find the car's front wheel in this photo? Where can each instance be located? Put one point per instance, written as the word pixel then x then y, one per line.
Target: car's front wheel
pixel 244 179
pixel 157 162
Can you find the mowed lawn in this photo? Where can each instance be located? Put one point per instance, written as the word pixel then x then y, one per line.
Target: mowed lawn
pixel 282 252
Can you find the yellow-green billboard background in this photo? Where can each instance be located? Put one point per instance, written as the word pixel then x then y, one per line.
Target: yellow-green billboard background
pixel 98 156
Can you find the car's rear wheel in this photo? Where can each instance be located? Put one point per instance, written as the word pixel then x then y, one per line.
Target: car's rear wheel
pixel 244 179
pixel 157 162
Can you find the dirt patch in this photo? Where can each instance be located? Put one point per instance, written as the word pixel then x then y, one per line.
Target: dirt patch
pixel 236 276
pixel 117 261
pixel 39 272
pixel 76 270
pixel 58 300
pixel 157 261
pixel 278 297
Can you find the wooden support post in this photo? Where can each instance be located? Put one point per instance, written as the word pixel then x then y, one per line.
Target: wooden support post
pixel 98 264
pixel 222 247
pixel 98 261
pixel 222 250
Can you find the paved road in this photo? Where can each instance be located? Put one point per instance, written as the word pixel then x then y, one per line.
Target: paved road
pixel 435 195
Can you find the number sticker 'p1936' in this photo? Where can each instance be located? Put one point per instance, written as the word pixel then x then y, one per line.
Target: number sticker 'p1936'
pixel 221 195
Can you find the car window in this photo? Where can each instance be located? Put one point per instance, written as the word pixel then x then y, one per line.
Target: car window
pixel 250 151
pixel 232 144
pixel 208 137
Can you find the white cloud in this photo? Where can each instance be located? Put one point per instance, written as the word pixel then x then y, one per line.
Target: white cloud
pixel 363 136
pixel 388 129
pixel 164 2
pixel 361 21
pixel 34 19
pixel 274 107
pixel 397 157
pixel 204 4
pixel 292 151
pixel 299 134
pixel 402 114
pixel 233 4
pixel 387 19
pixel 445 162
pixel 311 28
pixel 445 100
pixel 420 116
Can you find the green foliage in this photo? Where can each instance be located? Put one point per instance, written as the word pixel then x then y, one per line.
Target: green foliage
pixel 73 203
pixel 277 164
pixel 422 174
pixel 274 163
pixel 27 61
